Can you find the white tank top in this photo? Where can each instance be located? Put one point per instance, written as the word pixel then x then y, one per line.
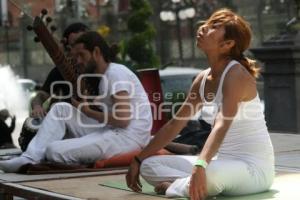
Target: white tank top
pixel 247 138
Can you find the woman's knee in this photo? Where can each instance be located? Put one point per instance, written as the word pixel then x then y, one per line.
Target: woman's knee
pixel 215 180
pixel 147 170
pixel 149 165
pixel 156 170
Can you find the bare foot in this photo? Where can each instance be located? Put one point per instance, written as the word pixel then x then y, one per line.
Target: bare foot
pixel 162 187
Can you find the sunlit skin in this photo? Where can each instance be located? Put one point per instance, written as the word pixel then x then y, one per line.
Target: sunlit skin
pixel 239 85
pixel 207 33
pixel 210 39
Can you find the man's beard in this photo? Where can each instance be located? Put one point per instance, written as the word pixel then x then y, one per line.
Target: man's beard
pixel 90 66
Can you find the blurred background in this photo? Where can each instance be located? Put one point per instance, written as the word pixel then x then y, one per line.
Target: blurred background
pixel 175 22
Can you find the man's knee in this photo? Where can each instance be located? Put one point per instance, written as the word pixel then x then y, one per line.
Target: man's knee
pixel 62 110
pixel 62 152
pixel 53 154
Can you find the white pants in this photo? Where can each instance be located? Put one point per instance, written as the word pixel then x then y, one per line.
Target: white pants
pixel 82 144
pixel 229 177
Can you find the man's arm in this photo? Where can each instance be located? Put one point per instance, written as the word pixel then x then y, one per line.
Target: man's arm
pixel 44 93
pixel 120 115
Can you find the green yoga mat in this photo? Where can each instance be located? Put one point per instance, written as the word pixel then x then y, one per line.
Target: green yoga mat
pixel 285 187
pixel 147 188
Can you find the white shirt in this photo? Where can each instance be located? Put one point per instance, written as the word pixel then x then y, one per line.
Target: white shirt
pixel 247 138
pixel 119 78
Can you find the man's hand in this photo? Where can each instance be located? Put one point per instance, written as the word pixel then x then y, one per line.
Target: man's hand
pixel 83 105
pixel 38 112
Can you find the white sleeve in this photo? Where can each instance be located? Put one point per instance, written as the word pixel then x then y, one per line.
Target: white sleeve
pixel 120 81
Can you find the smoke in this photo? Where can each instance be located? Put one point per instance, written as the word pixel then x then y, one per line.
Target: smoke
pixel 12 96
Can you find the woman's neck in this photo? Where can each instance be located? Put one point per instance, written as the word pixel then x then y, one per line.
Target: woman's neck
pixel 217 66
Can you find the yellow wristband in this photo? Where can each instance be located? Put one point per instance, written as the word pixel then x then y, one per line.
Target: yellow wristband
pixel 201 163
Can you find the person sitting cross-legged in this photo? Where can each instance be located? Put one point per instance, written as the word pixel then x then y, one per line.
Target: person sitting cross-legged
pixel 239 140
pixel 121 124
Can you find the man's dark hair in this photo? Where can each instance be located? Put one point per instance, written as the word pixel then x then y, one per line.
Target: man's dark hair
pixel 73 28
pixel 93 39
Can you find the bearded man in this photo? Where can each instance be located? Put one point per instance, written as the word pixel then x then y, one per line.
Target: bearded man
pixel 121 124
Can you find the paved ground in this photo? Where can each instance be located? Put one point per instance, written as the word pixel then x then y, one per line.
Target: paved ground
pixel 287 151
pixel 287 159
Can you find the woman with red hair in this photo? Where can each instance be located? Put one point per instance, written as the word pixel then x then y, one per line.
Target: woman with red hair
pixel 238 157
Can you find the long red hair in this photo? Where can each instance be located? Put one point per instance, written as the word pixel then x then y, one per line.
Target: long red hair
pixel 237 29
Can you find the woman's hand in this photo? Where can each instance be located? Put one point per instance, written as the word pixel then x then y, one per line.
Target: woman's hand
pixel 198 189
pixel 132 177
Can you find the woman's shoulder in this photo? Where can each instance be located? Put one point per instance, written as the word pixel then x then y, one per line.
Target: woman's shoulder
pixel 239 80
pixel 238 73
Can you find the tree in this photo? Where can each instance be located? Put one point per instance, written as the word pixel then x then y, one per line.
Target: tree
pixel 139 46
